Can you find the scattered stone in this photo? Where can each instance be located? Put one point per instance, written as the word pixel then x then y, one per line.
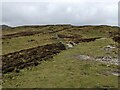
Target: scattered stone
pixel 84 57
pixel 13 78
pixel 109 47
pixel 108 60
pixel 116 73
pixel 69 45
pixel 104 59
pixel 108 65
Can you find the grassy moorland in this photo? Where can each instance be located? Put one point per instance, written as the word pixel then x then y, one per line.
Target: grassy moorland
pixel 47 35
pixel 68 69
pixel 20 43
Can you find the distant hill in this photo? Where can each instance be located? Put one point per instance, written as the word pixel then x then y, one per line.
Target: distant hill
pixel 4 27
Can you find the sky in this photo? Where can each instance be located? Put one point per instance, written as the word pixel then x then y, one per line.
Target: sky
pixel 43 12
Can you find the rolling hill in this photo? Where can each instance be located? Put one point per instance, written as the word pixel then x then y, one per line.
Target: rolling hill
pixel 58 56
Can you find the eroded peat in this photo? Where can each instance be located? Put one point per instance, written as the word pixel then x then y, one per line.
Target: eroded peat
pixel 28 57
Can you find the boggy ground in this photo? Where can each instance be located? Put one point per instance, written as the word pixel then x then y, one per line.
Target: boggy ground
pixel 66 69
pixel 29 57
pixel 25 37
pixel 63 70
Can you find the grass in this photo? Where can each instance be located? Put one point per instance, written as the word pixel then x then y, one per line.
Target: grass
pixel 24 42
pixel 95 49
pixel 20 29
pixel 20 43
pixel 89 32
pixel 64 71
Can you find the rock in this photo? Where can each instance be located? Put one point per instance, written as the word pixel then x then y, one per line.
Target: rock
pixel 108 65
pixel 84 57
pixel 107 60
pixel 116 73
pixel 69 45
pixel 109 47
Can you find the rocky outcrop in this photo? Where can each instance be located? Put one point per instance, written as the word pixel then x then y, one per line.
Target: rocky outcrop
pixel 29 57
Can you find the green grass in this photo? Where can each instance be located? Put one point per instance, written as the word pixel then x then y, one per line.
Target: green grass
pixel 64 71
pixel 20 29
pixel 20 43
pixel 94 48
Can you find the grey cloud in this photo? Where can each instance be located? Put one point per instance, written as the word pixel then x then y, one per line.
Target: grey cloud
pixel 59 13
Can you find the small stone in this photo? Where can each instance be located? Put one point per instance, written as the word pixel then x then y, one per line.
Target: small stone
pixel 13 78
pixel 108 65
pixel 16 84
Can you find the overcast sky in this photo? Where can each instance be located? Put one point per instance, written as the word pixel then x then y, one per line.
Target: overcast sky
pixel 75 12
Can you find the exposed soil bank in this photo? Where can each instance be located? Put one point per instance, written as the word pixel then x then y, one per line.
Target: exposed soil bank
pixel 9 36
pixel 28 57
pixel 77 38
pixel 86 39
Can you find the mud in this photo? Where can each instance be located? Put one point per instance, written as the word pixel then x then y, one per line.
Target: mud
pixel 85 40
pixel 29 57
pixel 115 36
pixel 77 38
pixel 9 36
pixel 116 39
